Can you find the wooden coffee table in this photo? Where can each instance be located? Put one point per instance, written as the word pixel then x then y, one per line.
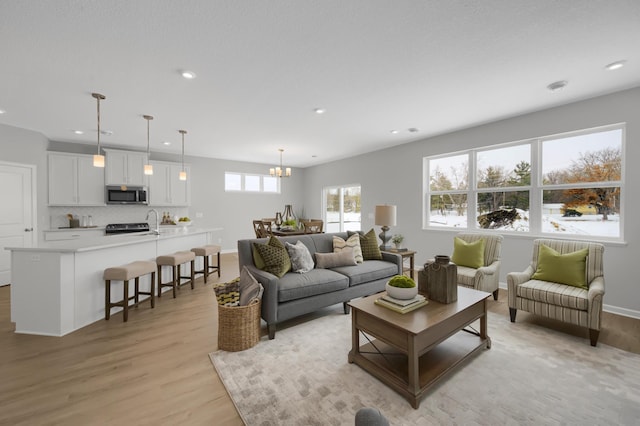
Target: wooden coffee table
pixel 411 352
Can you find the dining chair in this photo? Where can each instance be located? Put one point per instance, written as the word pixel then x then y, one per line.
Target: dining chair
pixel 262 228
pixel 312 226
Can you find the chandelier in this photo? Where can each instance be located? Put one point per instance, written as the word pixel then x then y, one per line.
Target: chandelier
pixel 280 171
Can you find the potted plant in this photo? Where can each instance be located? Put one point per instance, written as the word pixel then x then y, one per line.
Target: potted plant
pixel 397 240
pixel 401 287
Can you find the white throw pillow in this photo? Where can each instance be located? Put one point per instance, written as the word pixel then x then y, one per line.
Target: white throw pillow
pixel 301 260
pixel 352 243
pixel 249 287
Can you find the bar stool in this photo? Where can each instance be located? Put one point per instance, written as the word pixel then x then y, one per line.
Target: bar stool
pixel 207 251
pixel 125 273
pixel 175 260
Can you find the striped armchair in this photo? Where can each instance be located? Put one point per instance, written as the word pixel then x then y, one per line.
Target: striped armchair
pixel 485 278
pixel 562 302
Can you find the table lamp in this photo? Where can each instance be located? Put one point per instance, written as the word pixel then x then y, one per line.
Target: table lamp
pixel 385 217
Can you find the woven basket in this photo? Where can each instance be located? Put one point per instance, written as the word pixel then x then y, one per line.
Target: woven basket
pixel 238 326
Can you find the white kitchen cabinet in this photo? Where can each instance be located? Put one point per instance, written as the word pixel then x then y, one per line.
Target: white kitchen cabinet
pixel 165 186
pixel 73 181
pixel 125 167
pixel 73 234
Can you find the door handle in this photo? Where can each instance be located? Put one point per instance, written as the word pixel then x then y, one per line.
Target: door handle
pixel 28 229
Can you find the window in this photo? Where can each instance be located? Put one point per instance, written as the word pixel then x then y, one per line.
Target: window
pixel 342 208
pixel 244 182
pixel 566 184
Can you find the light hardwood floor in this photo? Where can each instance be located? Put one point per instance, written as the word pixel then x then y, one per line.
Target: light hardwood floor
pixel 154 369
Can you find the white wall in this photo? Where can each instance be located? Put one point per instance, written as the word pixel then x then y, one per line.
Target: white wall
pixel 394 176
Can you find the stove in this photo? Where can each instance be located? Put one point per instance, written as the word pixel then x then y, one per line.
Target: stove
pixel 126 228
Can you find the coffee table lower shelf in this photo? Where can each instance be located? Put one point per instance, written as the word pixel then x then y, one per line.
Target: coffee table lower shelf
pixel 390 365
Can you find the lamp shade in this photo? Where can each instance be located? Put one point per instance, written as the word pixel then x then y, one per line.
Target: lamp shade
pixel 386 215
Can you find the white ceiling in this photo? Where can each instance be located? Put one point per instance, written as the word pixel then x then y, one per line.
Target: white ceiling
pixel 264 66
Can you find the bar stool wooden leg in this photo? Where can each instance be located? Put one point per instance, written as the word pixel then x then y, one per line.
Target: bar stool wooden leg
pixel 125 301
pixel 152 291
pixel 107 299
pixel 176 279
pixel 206 268
pixel 193 273
pixel 136 296
pixel 159 280
pixel 218 266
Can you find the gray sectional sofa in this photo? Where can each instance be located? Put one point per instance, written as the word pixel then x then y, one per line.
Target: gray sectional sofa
pixel 296 294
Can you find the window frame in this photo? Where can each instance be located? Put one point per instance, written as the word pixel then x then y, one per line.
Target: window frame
pixel 535 189
pixel 243 178
pixel 340 189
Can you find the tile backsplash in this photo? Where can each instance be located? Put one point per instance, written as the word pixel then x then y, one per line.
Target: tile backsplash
pixel 104 215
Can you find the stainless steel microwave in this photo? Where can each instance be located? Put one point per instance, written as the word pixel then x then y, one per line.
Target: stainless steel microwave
pixel 123 194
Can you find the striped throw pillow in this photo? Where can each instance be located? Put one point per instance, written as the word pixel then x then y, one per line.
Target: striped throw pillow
pixel 352 243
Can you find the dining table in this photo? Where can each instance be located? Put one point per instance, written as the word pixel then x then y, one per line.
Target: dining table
pixel 284 233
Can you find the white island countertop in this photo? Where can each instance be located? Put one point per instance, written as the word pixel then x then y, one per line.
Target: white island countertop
pixel 58 287
pixel 109 241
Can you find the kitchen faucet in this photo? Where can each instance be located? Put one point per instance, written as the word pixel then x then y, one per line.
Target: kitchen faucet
pixel 157 230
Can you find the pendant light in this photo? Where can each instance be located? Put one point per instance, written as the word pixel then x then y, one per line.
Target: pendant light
pixel 183 173
pixel 148 168
pixel 278 171
pixel 98 159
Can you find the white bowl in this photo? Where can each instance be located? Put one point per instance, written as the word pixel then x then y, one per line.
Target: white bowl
pixel 184 223
pixel 401 292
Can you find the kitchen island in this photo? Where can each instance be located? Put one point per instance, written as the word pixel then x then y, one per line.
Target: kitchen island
pixel 57 287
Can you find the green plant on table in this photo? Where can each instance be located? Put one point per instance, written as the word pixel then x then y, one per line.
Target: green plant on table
pixel 290 222
pixel 397 239
pixel 402 281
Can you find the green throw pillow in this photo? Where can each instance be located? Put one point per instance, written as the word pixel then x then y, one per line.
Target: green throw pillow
pixel 257 259
pixel 369 246
pixel 566 268
pixel 275 257
pixel 468 254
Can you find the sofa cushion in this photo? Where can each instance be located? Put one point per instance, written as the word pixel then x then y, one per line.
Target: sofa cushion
pixel 568 268
pixel 466 275
pixel 370 270
pixel 317 281
pixel 468 254
pixel 331 260
pixel 275 256
pixel 352 243
pixel 301 260
pixel 554 294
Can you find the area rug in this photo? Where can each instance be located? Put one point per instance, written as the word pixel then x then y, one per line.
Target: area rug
pixel 530 376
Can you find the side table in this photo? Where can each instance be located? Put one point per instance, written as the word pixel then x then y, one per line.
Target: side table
pixel 406 254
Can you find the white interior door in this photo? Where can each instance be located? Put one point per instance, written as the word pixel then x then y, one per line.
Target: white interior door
pixel 17 214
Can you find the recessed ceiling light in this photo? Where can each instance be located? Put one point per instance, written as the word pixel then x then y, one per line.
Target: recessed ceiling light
pixel 320 110
pixel 189 75
pixel 413 130
pixel 2 111
pixel 395 132
pixel 78 132
pixel 615 65
pixel 166 143
pixel 557 85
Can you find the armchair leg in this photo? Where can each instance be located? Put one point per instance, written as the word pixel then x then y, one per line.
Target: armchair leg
pixel 346 307
pixel 271 328
pixel 593 336
pixel 495 294
pixel 512 314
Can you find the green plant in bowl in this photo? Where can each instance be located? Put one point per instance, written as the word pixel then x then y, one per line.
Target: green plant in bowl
pixel 402 281
pixel 401 287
